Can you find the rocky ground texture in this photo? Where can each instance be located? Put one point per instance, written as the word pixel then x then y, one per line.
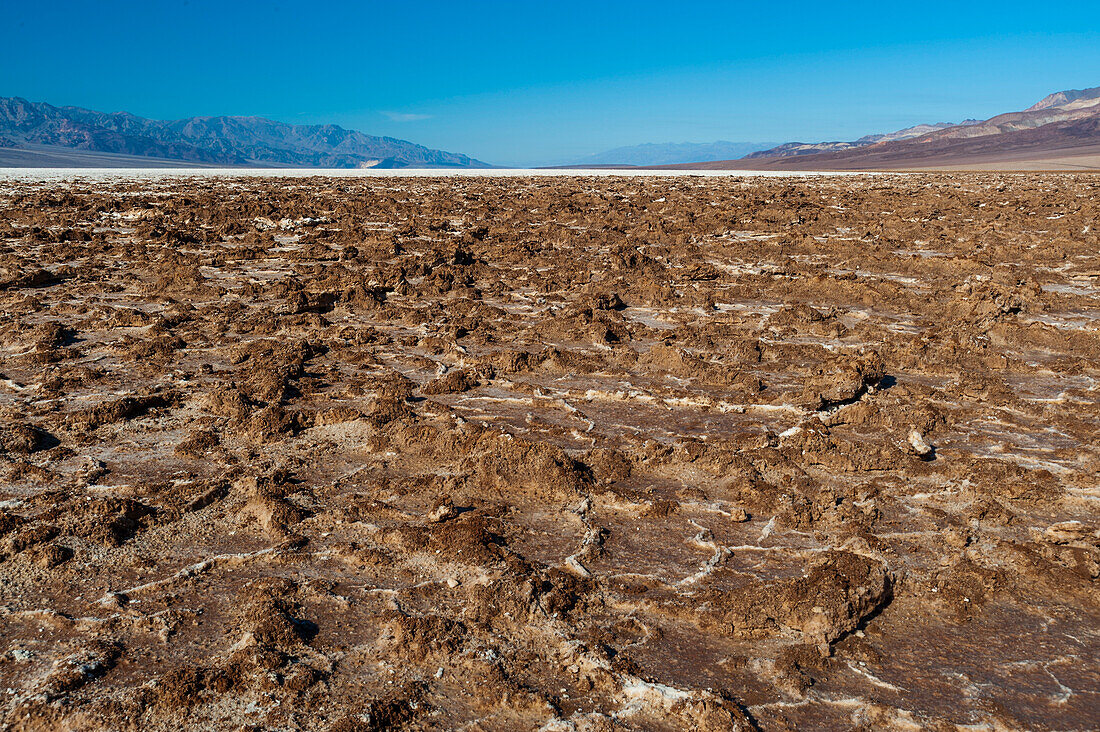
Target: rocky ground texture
pixel 550 453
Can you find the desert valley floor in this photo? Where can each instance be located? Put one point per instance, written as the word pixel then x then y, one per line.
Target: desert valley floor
pixel 558 453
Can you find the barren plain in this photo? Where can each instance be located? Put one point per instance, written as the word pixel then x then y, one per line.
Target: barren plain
pixel 566 453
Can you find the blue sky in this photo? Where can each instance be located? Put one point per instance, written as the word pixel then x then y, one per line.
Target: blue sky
pixel 534 82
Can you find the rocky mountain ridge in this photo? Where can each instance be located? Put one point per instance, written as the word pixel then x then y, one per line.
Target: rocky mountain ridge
pixel 221 140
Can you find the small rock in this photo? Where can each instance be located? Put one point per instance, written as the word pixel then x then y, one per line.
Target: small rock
pixel 1068 532
pixel 48 556
pixel 739 515
pixel 442 511
pixel 919 447
pixel 113 601
pixel 955 537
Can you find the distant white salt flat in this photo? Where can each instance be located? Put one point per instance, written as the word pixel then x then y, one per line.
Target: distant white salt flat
pixel 108 174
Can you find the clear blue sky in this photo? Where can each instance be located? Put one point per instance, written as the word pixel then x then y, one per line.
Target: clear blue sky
pixel 544 82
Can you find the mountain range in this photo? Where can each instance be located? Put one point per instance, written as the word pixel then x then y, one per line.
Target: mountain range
pixel 810 148
pixel 1061 131
pixel 40 134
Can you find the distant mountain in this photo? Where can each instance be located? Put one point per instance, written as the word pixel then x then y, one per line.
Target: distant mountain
pixel 37 131
pixel 1062 131
pixel 914 131
pixel 1064 98
pixel 803 148
pixel 672 152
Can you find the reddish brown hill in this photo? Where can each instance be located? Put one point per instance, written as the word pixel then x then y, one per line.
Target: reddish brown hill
pixel 1057 141
pixel 1060 132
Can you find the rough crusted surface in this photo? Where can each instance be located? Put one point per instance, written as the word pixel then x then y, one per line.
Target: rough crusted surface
pixel 565 454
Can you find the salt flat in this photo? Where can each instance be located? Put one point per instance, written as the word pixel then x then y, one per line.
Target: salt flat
pixel 36 174
pixel 549 452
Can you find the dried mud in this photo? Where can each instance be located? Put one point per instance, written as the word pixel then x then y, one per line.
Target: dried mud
pixel 559 454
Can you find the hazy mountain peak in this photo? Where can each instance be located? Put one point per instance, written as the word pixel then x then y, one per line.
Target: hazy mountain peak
pixel 670 153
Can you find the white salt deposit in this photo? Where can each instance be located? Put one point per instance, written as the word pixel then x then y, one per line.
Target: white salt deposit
pixel 161 174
